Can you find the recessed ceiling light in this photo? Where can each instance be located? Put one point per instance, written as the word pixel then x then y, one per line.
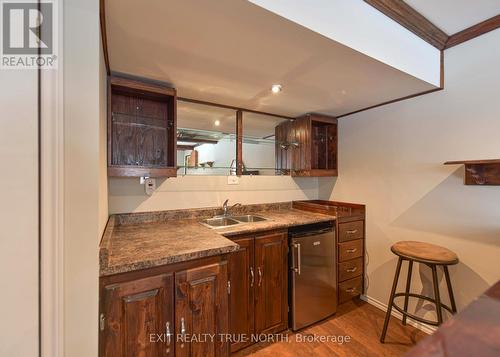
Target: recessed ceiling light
pixel 276 88
pixel 217 122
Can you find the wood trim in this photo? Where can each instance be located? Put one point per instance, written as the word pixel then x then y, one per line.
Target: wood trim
pixel 412 20
pixel 142 85
pixel 104 36
pixel 239 143
pixel 391 101
pixel 196 101
pixel 473 32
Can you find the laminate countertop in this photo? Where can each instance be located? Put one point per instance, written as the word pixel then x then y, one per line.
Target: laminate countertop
pixel 145 240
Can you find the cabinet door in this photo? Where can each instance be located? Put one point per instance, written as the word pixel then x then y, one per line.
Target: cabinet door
pixel 271 303
pixel 241 297
pixel 201 311
pixel 301 154
pixel 137 318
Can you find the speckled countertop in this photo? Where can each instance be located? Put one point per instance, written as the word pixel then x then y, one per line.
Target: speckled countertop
pixel 144 240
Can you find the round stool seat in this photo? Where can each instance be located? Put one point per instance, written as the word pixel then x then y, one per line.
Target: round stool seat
pixel 425 252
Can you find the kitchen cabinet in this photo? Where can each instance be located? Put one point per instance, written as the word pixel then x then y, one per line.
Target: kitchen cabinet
pixel 133 311
pixel 308 146
pixel 201 311
pixel 173 310
pixel 141 128
pixel 259 283
pixel 241 299
pixel 271 300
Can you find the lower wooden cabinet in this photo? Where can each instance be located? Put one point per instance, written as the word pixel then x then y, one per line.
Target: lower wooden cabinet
pixel 259 283
pixel 134 310
pixel 178 310
pixel 201 311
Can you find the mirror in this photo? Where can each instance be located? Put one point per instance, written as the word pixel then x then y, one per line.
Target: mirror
pixel 206 139
pixel 259 144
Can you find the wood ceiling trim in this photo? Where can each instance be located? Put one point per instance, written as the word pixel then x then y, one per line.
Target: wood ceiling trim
pixel 473 31
pixel 104 36
pixel 409 18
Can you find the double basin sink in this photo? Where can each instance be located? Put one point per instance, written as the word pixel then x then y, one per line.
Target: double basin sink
pixel 226 221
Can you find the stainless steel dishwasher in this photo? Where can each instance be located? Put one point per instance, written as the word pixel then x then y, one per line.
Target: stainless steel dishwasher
pixel 313 291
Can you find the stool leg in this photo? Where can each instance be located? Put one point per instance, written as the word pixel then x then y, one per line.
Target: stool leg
pixel 408 282
pixel 436 295
pixel 450 289
pixel 391 299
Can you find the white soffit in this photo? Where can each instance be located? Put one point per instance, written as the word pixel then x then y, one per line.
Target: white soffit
pixel 232 51
pixel 360 26
pixel 453 16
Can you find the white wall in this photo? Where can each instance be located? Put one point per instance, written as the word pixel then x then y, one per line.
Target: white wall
pixel 391 159
pixel 360 26
pixel 84 183
pixel 127 195
pixel 19 213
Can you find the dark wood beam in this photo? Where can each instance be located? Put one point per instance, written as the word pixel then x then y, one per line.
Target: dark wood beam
pixel 239 143
pixel 196 101
pixel 185 147
pixel 407 17
pixel 473 31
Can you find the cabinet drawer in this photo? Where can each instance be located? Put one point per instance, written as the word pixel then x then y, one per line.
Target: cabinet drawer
pixel 350 250
pixel 350 269
pixel 351 231
pixel 349 289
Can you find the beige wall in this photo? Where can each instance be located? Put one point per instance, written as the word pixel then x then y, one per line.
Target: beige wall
pixel 19 213
pixel 391 158
pixel 127 195
pixel 84 184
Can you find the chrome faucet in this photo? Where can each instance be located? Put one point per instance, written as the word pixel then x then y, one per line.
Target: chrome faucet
pixel 225 208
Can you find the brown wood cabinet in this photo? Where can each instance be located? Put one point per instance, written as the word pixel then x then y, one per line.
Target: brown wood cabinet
pixel 141 128
pixel 259 283
pixel 173 310
pixel 134 310
pixel 350 228
pixel 201 311
pixel 307 146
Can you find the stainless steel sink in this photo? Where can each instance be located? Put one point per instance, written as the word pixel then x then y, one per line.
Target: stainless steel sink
pixel 249 218
pixel 219 222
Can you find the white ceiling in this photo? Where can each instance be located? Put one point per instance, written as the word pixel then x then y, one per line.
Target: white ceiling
pixel 453 16
pixel 231 52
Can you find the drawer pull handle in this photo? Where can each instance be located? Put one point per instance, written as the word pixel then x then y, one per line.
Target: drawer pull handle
pixel 168 334
pixel 352 231
pixel 350 290
pixel 351 270
pixel 260 276
pixel 352 250
pixel 252 276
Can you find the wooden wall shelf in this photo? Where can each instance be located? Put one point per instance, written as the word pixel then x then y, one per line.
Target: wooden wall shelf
pixel 480 172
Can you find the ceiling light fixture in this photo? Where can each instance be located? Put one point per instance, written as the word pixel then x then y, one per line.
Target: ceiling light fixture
pixel 217 122
pixel 276 88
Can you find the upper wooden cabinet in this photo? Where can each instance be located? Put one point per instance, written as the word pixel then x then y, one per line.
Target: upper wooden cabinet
pixel 307 146
pixel 141 128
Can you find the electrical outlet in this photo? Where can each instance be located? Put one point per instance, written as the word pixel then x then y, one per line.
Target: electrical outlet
pixel 233 180
pixel 149 186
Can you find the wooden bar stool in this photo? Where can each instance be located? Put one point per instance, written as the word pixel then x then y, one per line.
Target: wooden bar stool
pixel 432 256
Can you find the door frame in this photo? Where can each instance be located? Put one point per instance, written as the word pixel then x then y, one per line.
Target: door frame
pixel 51 183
